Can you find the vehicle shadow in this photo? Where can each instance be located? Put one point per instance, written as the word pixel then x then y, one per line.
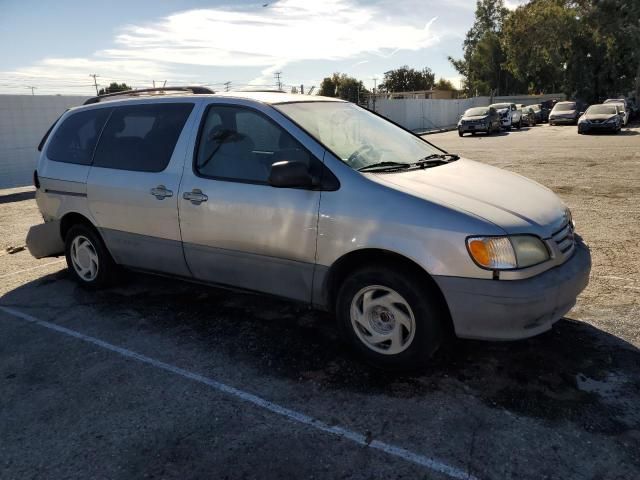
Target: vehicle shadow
pixel 626 133
pixel 17 197
pixel 575 372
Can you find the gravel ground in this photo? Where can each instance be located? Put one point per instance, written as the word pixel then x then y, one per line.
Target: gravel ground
pixel 564 405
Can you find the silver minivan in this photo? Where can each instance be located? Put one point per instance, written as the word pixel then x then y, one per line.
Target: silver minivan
pixel 313 199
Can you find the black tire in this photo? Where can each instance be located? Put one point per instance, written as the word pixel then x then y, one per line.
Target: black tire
pixel 519 126
pixel 460 133
pixel 428 313
pixel 105 267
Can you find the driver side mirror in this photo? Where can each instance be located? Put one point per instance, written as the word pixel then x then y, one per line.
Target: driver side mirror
pixel 288 174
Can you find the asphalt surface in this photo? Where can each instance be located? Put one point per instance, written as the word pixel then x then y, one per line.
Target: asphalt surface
pixel 163 379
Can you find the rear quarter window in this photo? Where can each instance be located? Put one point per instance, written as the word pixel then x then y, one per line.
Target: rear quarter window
pixel 74 141
pixel 141 138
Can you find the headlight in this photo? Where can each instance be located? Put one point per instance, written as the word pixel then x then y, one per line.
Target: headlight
pixel 507 253
pixel 569 216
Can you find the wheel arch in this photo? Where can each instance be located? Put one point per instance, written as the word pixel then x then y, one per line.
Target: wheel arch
pixel 356 259
pixel 70 219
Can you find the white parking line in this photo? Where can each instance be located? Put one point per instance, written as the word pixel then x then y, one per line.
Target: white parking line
pixel 429 463
pixel 29 269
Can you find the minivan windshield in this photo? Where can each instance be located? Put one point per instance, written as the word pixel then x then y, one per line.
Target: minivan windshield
pixel 500 106
pixel 476 112
pixel 602 109
pixel 357 136
pixel 564 107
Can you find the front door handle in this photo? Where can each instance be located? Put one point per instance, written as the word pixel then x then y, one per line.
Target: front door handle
pixel 161 192
pixel 195 196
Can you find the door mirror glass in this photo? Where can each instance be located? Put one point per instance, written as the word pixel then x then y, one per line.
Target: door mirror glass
pixel 289 174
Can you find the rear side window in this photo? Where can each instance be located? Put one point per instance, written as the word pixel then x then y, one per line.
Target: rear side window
pixel 75 139
pixel 141 137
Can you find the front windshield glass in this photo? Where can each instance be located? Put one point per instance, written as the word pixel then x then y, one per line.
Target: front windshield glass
pixel 535 107
pixel 476 112
pixel 499 106
pixel 602 109
pixel 564 107
pixel 355 135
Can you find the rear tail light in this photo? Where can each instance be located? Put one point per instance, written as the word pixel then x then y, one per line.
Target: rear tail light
pixel 36 180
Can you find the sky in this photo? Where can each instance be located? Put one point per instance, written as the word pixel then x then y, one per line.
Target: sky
pixel 55 46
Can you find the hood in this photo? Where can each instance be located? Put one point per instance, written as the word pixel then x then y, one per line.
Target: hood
pixel 475 117
pixel 508 200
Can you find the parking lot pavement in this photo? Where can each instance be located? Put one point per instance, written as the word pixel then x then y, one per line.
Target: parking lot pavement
pixel 161 378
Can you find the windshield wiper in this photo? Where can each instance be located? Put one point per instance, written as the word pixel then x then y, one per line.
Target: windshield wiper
pixel 382 166
pixel 438 157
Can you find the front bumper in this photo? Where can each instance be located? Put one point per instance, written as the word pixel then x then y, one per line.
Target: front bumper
pixel 515 309
pixel 562 120
pixel 479 127
pixel 597 127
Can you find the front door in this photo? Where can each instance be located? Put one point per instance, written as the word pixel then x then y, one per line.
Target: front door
pixel 132 188
pixel 236 229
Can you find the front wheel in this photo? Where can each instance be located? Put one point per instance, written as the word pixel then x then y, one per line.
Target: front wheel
pixel 460 133
pixel 392 320
pixel 87 258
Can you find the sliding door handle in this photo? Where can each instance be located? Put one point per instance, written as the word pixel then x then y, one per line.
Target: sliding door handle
pixel 195 196
pixel 161 192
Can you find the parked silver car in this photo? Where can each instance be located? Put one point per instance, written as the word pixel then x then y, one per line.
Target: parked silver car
pixel 313 199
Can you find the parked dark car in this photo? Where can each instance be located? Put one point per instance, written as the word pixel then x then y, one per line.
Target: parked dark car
pixel 565 113
pixel 601 118
pixel 538 112
pixel 546 107
pixel 479 119
pixel 528 117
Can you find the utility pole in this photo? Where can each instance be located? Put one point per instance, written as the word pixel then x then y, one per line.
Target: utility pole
pixel 278 82
pixel 95 82
pixel 302 89
pixel 375 83
pixel 32 89
pixel 164 84
pixel 227 85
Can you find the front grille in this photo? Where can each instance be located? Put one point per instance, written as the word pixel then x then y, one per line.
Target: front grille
pixel 565 240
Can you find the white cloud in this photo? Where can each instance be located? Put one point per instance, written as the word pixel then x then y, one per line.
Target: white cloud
pixel 513 4
pixel 268 38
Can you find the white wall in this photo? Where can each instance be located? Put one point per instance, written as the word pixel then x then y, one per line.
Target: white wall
pixel 24 119
pixel 421 114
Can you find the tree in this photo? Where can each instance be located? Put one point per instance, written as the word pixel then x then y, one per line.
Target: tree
pixel 342 86
pixel 483 63
pixel 114 87
pixel 405 79
pixel 588 49
pixel 542 66
pixel 444 84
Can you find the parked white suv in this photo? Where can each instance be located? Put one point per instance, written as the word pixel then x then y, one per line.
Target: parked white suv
pixel 510 116
pixel 313 199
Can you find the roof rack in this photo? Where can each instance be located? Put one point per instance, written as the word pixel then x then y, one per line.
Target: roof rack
pixel 195 90
pixel 259 90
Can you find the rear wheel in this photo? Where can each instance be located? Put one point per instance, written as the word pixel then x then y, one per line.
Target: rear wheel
pixel 392 320
pixel 87 258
